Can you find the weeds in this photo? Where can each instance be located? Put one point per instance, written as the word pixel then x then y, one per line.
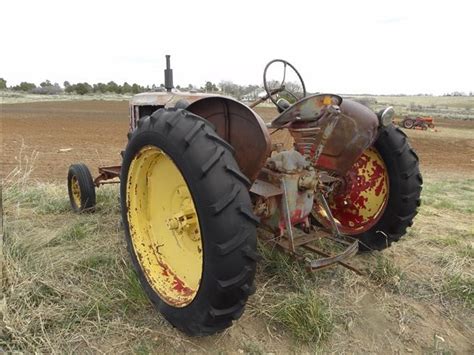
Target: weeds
pixel 386 273
pixel 77 231
pixel 461 288
pixel 252 349
pixel 305 315
pixel 41 198
pixel 281 266
pixel 71 288
pixel 96 262
pixel 457 196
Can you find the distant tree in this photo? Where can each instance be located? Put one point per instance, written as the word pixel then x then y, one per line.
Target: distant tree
pixel 70 89
pixel 230 88
pixel 82 88
pixel 210 87
pixel 48 90
pixel 99 88
pixel 126 88
pixel 113 87
pixel 24 86
pixel 3 84
pixel 66 84
pixel 45 83
pixel 136 89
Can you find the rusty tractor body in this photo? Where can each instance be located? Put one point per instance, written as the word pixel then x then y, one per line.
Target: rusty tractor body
pixel 350 178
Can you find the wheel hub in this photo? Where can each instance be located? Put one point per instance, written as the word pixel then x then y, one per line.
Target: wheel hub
pixel 184 224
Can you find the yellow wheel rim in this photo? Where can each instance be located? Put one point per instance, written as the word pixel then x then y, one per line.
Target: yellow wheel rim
pixel 164 227
pixel 76 191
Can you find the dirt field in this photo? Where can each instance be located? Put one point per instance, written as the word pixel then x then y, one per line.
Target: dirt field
pixel 95 130
pixel 70 287
pixel 96 133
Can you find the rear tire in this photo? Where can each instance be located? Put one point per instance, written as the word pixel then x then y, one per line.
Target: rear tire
pixel 81 188
pixel 227 225
pixel 405 183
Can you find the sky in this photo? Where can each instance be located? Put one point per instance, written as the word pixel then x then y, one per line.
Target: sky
pixel 380 47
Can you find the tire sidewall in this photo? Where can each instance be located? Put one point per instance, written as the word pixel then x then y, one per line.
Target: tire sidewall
pixel 86 187
pixel 203 194
pixel 398 160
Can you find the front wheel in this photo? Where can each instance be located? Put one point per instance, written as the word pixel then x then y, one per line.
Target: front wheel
pixel 81 188
pixel 188 220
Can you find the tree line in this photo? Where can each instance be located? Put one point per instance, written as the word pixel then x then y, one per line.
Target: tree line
pixel 46 87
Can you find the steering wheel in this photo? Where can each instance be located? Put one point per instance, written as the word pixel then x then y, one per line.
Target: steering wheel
pixel 271 92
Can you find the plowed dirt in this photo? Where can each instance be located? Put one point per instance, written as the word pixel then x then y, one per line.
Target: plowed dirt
pixel 94 132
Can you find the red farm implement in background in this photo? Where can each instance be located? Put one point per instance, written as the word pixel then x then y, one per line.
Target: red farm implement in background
pixel 417 122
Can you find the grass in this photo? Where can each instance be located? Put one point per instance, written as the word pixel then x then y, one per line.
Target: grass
pixel 386 273
pixel 282 268
pixel 71 288
pixel 450 195
pixel 305 315
pixel 461 107
pixel 65 270
pixel 461 288
pixel 15 97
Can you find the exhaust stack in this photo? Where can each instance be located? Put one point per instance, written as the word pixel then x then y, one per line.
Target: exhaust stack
pixel 168 75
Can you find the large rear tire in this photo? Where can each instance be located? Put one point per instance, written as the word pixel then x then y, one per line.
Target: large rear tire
pixel 188 221
pixel 405 184
pixel 382 194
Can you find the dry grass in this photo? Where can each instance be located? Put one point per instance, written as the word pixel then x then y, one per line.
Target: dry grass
pixel 70 287
pixel 16 97
pixel 459 107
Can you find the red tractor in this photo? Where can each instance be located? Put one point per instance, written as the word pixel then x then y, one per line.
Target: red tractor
pixel 417 122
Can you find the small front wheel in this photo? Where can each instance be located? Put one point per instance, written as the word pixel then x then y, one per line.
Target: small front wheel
pixel 81 188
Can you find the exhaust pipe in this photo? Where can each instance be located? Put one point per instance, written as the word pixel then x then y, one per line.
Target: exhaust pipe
pixel 168 75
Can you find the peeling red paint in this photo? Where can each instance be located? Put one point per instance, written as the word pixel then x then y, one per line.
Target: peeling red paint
pixel 179 286
pixel 346 206
pixel 297 216
pixel 165 270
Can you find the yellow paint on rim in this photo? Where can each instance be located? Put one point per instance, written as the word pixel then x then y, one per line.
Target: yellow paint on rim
pixel 76 191
pixel 375 196
pixel 361 205
pixel 164 226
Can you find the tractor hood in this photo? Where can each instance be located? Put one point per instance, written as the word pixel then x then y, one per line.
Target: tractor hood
pixel 166 99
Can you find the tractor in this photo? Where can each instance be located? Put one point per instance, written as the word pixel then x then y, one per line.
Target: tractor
pixel 200 174
pixel 419 122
